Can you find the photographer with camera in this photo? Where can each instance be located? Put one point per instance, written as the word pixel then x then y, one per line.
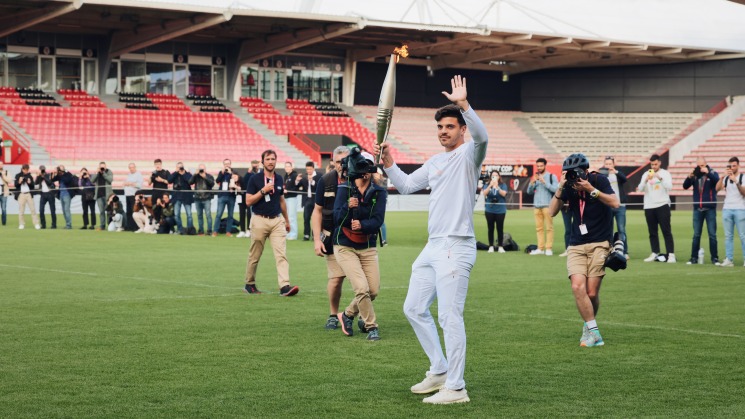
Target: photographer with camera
pixel 87 199
pixel 310 179
pixel 543 185
pixel 159 180
pixel 495 208
pixel 359 211
pixel 24 183
pixel 203 183
pixel 270 221
pixel 48 195
pixel 656 185
pixel 163 214
pixel 733 212
pixel 4 192
pixel 590 199
pixel 244 211
pixel 102 179
pixel 115 212
pixel 225 197
pixel 143 214
pixel 704 182
pixel 68 184
pixel 323 228
pixel 182 197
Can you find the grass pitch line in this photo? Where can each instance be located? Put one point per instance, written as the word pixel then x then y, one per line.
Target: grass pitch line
pixel 133 278
pixel 635 326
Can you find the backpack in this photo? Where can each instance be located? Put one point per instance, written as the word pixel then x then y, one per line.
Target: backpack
pixel 727 179
pixel 508 243
pixel 530 248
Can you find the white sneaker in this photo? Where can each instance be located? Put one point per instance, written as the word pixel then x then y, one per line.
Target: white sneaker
pixel 445 396
pixel 38 226
pixel 726 263
pixel 139 231
pixel 651 257
pixel 671 258
pixel 491 249
pixel 21 227
pixel 501 249
pixel 119 230
pixel 248 235
pixel 563 255
pixel 430 384
pixel 537 252
pixel 549 252
pixel 241 234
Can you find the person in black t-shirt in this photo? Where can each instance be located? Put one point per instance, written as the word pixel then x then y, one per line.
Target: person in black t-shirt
pixel 270 221
pixel 590 197
pixel 159 180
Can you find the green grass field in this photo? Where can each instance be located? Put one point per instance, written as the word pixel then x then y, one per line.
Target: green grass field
pixel 96 324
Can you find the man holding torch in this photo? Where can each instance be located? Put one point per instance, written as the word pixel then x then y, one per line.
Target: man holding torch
pixel 443 268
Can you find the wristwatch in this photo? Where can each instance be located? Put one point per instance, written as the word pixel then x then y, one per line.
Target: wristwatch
pixel 262 191
pixel 595 194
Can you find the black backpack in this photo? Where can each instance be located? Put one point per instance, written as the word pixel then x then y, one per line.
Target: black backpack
pixel 509 244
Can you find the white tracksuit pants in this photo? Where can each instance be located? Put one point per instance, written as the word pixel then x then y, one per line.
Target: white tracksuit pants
pixel 442 270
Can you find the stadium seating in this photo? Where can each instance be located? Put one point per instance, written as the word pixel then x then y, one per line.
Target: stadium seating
pixel 82 133
pixel 630 137
pixel 307 118
pixel 77 98
pixel 717 150
pixel 415 127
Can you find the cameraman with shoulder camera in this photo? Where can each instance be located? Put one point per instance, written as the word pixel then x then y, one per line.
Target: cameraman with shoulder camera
pixel 102 179
pixel 203 183
pixel 270 221
pixel 182 197
pixel 495 208
pixel 48 195
pixel 359 211
pixel 704 182
pixel 323 228
pixel 590 199
pixel 68 184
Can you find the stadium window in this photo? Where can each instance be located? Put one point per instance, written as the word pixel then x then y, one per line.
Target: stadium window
pixel 249 82
pixel 133 74
pixel 46 73
pixel 160 78
pixel 68 73
pixel 218 81
pixel 112 79
pixel 3 64
pixel 200 80
pixel 23 70
pixel 336 86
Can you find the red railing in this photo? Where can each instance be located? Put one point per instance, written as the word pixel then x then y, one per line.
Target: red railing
pixel 309 147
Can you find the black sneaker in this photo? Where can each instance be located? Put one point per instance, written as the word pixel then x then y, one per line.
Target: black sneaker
pixel 306 238
pixel 92 228
pixel 373 334
pixel 84 228
pixel 346 323
pixel 692 261
pixel 289 290
pixel 332 323
pixel 361 325
pixel 251 289
pixel 715 261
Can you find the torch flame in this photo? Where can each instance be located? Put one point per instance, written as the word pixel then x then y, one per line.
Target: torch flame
pixel 401 52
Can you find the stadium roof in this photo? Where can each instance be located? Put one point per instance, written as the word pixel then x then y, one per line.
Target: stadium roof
pixel 507 35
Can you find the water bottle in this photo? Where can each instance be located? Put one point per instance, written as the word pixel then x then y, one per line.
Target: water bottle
pixel 701 256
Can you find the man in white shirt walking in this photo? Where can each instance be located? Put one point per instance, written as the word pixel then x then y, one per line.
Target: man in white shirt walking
pixel 442 269
pixel 656 185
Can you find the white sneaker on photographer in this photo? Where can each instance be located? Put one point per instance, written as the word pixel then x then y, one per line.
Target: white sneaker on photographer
pixel 491 249
pixel 726 263
pixel 537 252
pixel 671 258
pixel 501 249
pixel 241 234
pixel 651 257
pixel 549 252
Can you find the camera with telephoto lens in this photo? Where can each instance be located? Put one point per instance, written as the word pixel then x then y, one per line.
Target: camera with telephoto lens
pixel 616 260
pixel 355 165
pixel 573 175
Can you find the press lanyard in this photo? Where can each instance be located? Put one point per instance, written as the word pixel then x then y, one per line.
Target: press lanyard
pixel 582 208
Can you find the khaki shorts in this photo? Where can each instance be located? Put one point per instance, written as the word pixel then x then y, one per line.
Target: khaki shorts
pixel 333 268
pixel 587 259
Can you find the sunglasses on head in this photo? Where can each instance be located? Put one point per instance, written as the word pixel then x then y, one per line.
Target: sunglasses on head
pixel 610 158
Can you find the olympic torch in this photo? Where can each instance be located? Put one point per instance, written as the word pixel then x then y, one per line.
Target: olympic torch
pixel 388 98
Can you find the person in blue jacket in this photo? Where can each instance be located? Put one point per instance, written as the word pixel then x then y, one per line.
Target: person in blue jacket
pixel 358 217
pixel 704 181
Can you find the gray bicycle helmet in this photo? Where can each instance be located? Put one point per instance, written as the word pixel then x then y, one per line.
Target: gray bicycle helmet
pixel 576 160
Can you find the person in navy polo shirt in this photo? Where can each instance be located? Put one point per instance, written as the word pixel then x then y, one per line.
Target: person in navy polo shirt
pixel 590 198
pixel 265 194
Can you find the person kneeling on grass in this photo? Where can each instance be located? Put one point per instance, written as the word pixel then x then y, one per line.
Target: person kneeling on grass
pixel 590 199
pixel 115 213
pixel 358 215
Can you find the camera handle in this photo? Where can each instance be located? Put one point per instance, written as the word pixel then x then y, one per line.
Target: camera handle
pixel 355 194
